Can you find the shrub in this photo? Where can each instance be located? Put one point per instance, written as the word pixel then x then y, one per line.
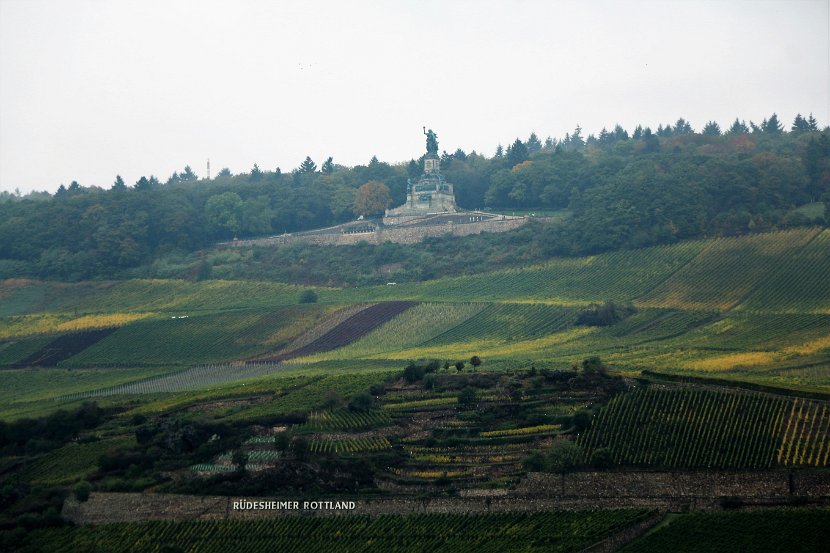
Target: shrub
pixel 594 365
pixel 581 421
pixel 82 490
pixel 535 462
pixel 413 373
pixel 564 456
pixel 308 296
pixel 467 397
pixel 332 400
pixel 240 459
pixel 604 315
pixel 601 458
pixel 361 402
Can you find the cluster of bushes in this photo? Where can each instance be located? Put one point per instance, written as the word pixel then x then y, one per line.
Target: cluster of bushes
pixel 605 314
pixel 415 372
pixel 33 436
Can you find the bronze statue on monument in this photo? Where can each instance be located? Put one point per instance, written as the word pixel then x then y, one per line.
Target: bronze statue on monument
pixel 432 142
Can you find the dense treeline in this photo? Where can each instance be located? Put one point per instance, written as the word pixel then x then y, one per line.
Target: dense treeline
pixel 622 190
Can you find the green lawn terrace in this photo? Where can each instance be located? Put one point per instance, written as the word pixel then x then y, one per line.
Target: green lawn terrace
pixel 753 308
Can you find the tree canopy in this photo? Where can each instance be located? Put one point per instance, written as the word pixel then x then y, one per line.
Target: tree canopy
pixel 621 190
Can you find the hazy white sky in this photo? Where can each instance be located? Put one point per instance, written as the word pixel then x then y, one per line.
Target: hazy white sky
pixel 90 88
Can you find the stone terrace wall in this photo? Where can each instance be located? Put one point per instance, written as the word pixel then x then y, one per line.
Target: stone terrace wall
pixel 105 508
pixel 768 484
pixel 812 484
pixel 405 235
pixel 664 491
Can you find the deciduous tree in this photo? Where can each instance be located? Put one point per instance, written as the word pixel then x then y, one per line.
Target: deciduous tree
pixel 372 199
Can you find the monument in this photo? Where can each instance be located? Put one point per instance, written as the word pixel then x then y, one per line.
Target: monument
pixel 430 194
pixel 429 211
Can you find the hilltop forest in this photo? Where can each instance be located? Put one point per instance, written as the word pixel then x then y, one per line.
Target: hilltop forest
pixel 619 190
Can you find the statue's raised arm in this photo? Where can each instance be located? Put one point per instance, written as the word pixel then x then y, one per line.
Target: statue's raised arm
pixel 432 141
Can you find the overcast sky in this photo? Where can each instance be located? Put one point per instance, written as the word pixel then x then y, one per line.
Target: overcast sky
pixel 91 89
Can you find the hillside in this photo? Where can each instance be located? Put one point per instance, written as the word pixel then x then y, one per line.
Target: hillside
pixel 704 355
pixel 754 308
pixel 616 191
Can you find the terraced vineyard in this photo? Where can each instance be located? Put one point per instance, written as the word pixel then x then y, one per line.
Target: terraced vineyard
pixel 697 428
pixel 560 531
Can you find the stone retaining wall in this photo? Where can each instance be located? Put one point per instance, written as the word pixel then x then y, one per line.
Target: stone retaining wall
pixel 664 491
pixel 669 484
pixel 404 235
pixel 105 508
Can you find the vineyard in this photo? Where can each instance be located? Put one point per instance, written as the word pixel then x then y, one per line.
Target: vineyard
pixel 772 285
pixel 64 346
pixel 699 428
pixel 766 531
pixel 353 445
pixel 798 285
pixel 188 379
pixel 198 339
pixel 349 330
pixel 726 271
pixel 411 328
pixel 545 531
pixel 343 420
pixel 311 393
pixel 616 276
pixel 51 324
pixel 12 351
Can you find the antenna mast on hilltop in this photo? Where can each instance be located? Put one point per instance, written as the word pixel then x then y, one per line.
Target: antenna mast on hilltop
pixel 208 169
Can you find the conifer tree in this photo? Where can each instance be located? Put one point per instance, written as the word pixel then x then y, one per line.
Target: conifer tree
pixel 711 129
pixel 308 166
